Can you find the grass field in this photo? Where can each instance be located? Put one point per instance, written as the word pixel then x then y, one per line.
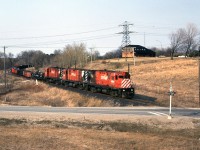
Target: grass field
pixel 26 92
pixel 25 134
pixel 151 78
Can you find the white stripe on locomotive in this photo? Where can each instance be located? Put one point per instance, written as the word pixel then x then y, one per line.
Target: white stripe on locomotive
pixel 126 83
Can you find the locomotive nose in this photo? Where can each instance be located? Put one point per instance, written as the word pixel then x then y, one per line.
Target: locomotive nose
pixel 126 83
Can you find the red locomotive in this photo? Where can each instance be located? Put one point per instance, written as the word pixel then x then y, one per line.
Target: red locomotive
pixel 114 79
pixel 115 83
pixel 20 70
pixel 71 77
pixel 52 74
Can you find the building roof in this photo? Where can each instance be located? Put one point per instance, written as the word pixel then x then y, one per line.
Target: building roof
pixel 142 51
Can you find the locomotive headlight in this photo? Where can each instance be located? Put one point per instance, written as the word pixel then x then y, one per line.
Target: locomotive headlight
pixel 131 90
pixel 123 90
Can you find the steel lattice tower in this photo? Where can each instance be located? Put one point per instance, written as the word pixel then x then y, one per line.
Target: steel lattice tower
pixel 126 38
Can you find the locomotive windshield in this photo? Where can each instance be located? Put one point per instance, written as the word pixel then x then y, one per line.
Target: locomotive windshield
pixel 127 76
pixel 121 77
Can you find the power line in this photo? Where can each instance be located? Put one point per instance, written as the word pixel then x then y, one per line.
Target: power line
pixel 152 34
pixel 155 27
pixel 59 35
pixel 64 41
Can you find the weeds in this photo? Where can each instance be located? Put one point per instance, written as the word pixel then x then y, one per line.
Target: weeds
pixel 6 122
pixel 27 93
pixel 53 102
pixel 117 65
pixel 103 62
pixel 110 126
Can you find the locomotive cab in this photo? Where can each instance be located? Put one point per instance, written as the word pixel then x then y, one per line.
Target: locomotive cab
pixel 120 80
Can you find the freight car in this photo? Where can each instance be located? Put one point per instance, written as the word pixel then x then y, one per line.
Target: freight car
pixel 19 70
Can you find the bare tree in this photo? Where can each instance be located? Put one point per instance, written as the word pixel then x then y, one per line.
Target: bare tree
pixel 31 57
pixel 72 55
pixel 176 40
pixel 190 39
pixel 96 54
pixel 10 59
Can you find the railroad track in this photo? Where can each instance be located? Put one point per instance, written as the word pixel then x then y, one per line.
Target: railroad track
pixel 137 100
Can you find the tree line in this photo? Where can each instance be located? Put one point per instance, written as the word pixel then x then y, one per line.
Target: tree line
pixel 74 55
pixel 184 40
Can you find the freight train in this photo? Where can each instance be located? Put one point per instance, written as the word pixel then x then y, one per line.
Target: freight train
pixel 114 83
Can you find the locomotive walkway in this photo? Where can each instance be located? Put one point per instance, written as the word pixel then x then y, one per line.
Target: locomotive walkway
pixel 124 111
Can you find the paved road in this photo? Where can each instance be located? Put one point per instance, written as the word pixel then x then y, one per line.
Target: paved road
pixel 148 111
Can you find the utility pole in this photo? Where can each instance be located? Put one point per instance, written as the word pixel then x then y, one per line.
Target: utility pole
pixel 199 74
pixel 128 68
pixel 5 66
pixel 91 49
pixel 126 38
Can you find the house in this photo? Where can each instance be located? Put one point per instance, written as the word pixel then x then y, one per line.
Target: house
pixel 137 50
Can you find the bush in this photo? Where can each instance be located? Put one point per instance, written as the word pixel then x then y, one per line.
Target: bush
pixel 53 102
pixel 103 62
pixel 117 65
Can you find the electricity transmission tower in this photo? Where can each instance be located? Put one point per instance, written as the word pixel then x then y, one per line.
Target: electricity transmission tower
pixel 126 38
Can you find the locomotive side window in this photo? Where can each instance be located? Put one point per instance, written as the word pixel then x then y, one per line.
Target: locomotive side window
pixel 116 77
pixel 121 77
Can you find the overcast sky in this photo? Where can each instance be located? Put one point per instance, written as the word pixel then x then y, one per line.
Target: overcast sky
pixel 51 24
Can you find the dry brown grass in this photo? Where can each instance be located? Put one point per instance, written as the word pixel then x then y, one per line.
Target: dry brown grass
pixel 152 77
pixel 43 136
pixel 25 92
